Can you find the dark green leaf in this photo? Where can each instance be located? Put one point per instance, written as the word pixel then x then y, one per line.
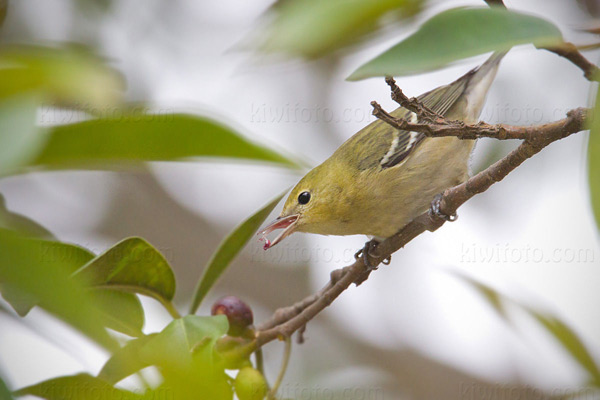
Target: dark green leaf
pixel 20 138
pixel 594 160
pixel 132 265
pixel 62 76
pixel 571 342
pixel 107 142
pixel 31 267
pixel 456 34
pixel 76 387
pixel 3 9
pixel 313 28
pixel 122 312
pixel 5 394
pixel 229 249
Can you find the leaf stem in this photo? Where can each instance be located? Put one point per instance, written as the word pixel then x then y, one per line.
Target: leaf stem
pixel 284 365
pixel 260 363
pixel 168 305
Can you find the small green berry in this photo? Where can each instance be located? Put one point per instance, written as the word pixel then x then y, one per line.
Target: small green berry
pixel 250 384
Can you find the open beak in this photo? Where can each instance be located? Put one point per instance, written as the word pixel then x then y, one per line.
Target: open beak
pixel 286 223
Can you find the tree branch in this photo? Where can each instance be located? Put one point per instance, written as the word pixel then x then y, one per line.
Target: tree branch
pixel 572 53
pixel 433 125
pixel 288 320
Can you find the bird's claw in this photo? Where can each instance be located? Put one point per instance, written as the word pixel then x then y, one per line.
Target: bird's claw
pixel 435 210
pixel 366 255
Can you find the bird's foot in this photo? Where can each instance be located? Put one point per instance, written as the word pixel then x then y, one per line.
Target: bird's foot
pixel 366 254
pixel 435 210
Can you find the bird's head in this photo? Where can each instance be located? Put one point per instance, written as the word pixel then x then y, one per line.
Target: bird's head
pixel 314 205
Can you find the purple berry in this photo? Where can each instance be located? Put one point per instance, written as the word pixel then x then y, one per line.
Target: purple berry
pixel 238 314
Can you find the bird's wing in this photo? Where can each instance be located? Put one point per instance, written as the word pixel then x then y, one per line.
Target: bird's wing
pixel 403 142
pixel 378 145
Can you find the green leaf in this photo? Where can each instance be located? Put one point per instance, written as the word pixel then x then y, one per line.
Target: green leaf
pixel 31 267
pixel 557 328
pixel 571 342
pixel 313 28
pixel 594 160
pixel 20 138
pixel 70 77
pixel 229 249
pixel 122 312
pixel 183 338
pixel 71 257
pixel 126 361
pixel 5 393
pixel 20 223
pixel 493 297
pixel 132 265
pixel 102 143
pixel 3 9
pixel 456 34
pixel 184 354
pixel 76 387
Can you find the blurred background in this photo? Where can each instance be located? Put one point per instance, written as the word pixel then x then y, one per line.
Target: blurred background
pixel 418 328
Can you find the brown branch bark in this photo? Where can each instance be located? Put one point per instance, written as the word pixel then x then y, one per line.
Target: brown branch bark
pixel 433 125
pixel 572 53
pixel 288 320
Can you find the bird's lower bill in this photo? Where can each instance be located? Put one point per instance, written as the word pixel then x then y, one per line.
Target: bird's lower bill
pixel 286 223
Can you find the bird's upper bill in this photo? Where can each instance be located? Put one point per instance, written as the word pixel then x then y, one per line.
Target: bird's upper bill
pixel 286 223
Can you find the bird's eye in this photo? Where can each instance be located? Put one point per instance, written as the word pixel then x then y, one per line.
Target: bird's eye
pixel 304 197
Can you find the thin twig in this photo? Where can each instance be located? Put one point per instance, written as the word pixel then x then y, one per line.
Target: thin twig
pixel 571 53
pixel 444 127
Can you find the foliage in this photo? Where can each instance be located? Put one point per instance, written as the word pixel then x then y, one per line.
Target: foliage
pixel 99 294
pixel 594 160
pixel 228 249
pixel 438 42
pixel 313 28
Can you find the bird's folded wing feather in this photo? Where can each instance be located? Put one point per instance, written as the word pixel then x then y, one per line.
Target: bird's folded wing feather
pixel 439 100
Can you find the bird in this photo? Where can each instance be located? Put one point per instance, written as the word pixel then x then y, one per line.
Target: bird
pixel 381 178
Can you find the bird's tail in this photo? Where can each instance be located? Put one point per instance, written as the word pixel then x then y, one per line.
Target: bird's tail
pixel 490 66
pixel 479 81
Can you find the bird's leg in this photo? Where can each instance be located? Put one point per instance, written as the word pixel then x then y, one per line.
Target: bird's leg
pixel 434 210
